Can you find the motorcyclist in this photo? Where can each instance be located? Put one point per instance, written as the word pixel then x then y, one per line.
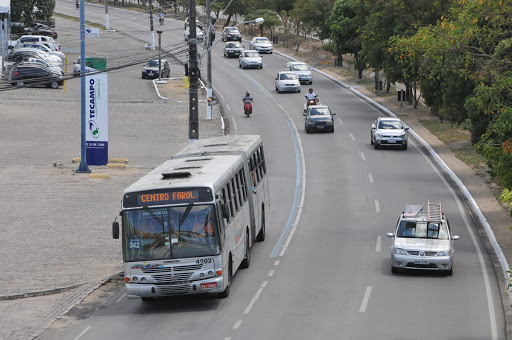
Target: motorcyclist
pixel 311 95
pixel 77 4
pixel 247 101
pixel 161 18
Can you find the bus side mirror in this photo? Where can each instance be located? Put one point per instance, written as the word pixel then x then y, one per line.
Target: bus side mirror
pixel 225 211
pixel 115 230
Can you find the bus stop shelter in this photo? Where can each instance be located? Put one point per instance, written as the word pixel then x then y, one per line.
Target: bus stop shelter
pixel 5 28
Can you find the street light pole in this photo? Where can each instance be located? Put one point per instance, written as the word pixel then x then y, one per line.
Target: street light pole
pixel 193 120
pixel 159 55
pixel 152 33
pixel 208 32
pixel 107 23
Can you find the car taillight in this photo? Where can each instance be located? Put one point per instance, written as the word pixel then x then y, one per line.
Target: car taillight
pixel 16 73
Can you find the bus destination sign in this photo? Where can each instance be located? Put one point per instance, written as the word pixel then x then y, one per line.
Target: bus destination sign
pixel 167 196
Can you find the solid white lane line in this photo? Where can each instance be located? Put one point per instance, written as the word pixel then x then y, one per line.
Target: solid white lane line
pixel 352 136
pixel 276 263
pixel 264 284
pixel 83 332
pixel 270 273
pixel 228 338
pixel 288 239
pixel 282 108
pixel 363 157
pixel 122 296
pixel 339 120
pixel 377 247
pixel 228 107
pixel 366 297
pixel 377 206
pixel 254 298
pixel 237 324
pixel 370 176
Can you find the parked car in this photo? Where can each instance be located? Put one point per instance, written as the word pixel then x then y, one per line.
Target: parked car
pixel 388 131
pixel 36 38
pixel 150 69
pixel 19 55
pixel 76 68
pixel 301 70
pixel 199 34
pixel 52 59
pixel 231 33
pixel 250 58
pixel 36 61
pixel 232 49
pixel 422 240
pixel 41 29
pixel 320 118
pixel 287 81
pixel 43 48
pixel 261 44
pixel 23 75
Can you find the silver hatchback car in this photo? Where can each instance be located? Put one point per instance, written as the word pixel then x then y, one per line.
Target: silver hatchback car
pixel 389 131
pixel 422 240
pixel 287 81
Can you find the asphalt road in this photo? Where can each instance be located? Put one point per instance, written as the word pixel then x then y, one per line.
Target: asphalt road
pixel 333 278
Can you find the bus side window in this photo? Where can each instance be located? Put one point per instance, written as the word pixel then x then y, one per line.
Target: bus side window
pixel 238 190
pixel 263 166
pixel 235 193
pixel 225 202
pixel 260 169
pixel 244 187
pixel 256 167
pixel 230 200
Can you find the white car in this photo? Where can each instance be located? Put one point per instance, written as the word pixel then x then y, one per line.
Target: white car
pixel 36 39
pixel 250 58
pixel 422 240
pixel 389 131
pixel 301 70
pixel 199 34
pixel 287 81
pixel 261 44
pixel 76 68
pixel 52 59
pixel 43 48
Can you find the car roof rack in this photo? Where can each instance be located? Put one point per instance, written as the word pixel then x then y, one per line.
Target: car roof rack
pixel 434 212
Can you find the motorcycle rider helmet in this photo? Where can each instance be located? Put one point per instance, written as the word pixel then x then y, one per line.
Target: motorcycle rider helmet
pixel 247 94
pixel 310 89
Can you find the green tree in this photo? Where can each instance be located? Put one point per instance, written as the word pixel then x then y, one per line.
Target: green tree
pixel 271 19
pixel 46 8
pixel 20 9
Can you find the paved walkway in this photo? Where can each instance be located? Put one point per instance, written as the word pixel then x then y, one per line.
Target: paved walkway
pixel 55 223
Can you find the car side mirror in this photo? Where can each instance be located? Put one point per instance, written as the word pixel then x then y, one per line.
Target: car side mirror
pixel 276 78
pixel 373 126
pixel 455 237
pixel 406 128
pixel 334 114
pixel 390 235
pixel 115 230
pixel 304 114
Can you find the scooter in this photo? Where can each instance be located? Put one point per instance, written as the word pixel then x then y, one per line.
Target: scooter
pixel 311 102
pixel 247 107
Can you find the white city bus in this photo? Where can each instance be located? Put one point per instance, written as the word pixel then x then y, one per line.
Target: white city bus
pixel 189 224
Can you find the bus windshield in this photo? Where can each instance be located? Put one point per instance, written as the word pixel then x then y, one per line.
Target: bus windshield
pixel 170 233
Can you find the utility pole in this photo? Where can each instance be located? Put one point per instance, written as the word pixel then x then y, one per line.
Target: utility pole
pixel 209 72
pixel 159 56
pixel 193 73
pixel 152 33
pixel 83 159
pixel 107 23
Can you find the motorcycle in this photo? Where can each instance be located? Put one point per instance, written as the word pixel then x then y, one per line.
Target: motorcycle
pixel 77 4
pixel 161 20
pixel 311 102
pixel 247 107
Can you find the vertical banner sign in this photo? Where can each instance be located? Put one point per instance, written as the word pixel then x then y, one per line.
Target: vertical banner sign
pixel 96 119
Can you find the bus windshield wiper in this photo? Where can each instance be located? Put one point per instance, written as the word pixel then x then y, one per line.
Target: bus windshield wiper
pixel 185 214
pixel 158 219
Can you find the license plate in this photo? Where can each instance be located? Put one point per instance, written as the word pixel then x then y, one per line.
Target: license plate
pixel 421 262
pixel 391 141
pixel 320 127
pixel 208 285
